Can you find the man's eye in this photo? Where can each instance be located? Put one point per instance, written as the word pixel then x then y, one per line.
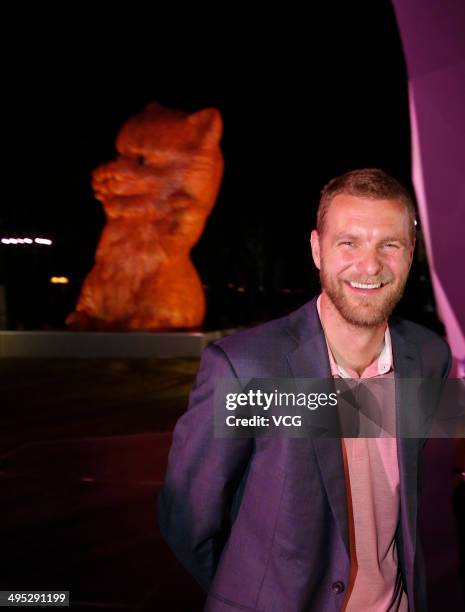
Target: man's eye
pixel 346 243
pixel 391 245
pixel 141 160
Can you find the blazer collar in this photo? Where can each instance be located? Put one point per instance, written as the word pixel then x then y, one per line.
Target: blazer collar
pixel 310 358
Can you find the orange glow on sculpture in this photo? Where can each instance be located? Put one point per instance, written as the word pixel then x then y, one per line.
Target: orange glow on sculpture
pixel 157 195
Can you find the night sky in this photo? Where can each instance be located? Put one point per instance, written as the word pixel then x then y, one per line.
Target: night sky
pixel 303 97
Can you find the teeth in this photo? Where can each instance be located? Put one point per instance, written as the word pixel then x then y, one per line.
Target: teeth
pixel 363 286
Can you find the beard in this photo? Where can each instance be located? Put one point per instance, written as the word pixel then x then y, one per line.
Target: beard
pixel 363 310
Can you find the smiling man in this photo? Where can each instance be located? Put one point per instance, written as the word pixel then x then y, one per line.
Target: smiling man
pixel 282 524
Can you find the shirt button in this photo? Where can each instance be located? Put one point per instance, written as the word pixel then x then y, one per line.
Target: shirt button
pixel 337 587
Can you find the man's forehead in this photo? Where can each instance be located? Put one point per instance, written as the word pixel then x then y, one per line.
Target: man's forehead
pixel 346 209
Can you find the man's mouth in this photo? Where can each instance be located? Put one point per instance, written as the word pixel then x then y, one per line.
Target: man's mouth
pixel 366 287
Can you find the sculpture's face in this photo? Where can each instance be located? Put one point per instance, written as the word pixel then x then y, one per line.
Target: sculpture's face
pixel 364 257
pixel 168 161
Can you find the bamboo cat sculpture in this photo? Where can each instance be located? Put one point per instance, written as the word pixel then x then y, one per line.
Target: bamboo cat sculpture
pixel 157 195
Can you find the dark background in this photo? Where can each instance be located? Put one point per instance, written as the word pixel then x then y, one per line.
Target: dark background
pixel 304 97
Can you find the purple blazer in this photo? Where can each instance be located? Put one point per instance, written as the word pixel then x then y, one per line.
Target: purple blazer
pixel 262 523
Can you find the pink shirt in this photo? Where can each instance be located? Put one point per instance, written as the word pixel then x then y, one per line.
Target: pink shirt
pixel 372 481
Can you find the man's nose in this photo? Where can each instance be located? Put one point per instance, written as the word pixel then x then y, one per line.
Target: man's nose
pixel 369 263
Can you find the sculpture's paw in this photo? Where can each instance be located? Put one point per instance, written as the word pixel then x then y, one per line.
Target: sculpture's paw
pixel 78 321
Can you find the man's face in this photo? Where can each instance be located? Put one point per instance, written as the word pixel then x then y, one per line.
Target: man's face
pixel 364 257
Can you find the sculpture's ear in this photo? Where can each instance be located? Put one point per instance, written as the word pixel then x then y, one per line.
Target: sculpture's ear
pixel 152 107
pixel 209 126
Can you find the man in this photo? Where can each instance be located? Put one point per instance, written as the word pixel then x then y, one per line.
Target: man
pixel 313 524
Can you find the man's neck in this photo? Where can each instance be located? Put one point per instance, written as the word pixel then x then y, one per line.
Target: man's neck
pixel 352 346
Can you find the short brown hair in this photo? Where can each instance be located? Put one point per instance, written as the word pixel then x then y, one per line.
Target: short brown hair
pixel 366 183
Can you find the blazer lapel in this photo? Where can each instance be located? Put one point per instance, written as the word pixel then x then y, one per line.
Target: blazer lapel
pixel 406 366
pixel 310 360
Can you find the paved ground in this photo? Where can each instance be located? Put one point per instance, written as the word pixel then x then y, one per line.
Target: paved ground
pixel 83 448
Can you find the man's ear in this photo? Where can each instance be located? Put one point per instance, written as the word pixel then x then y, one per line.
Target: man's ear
pixel 315 244
pixel 412 250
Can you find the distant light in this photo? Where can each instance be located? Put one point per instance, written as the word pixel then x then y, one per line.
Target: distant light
pixel 59 280
pixel 45 241
pixel 241 289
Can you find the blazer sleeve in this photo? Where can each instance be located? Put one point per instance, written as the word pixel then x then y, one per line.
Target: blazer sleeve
pixel 202 476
